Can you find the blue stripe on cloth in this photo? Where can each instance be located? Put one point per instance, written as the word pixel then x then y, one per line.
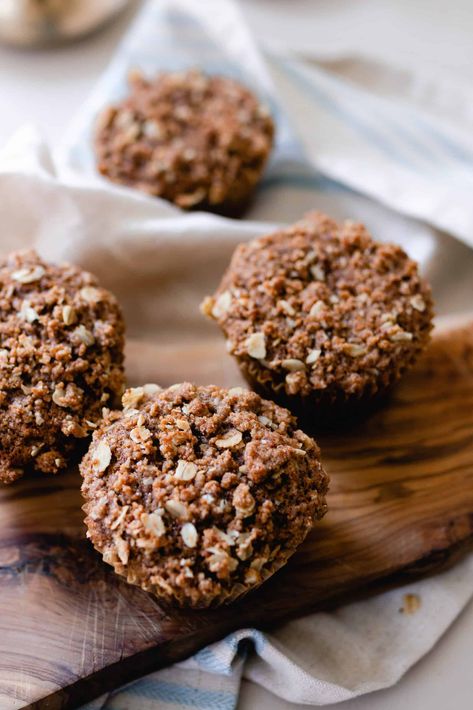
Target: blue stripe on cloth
pixel 424 154
pixel 367 130
pixel 458 151
pixel 415 132
pixel 232 640
pixel 217 659
pixel 180 19
pixel 209 661
pixel 175 694
pixel 317 181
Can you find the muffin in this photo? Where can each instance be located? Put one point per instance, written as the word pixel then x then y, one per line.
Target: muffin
pixel 198 141
pixel 61 362
pixel 198 494
pixel 320 317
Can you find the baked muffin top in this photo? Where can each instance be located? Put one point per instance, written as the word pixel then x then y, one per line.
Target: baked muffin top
pixel 61 361
pixel 199 141
pixel 321 306
pixel 199 493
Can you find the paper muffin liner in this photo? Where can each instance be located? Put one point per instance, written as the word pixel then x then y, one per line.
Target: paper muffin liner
pixel 238 591
pixel 324 407
pixel 180 600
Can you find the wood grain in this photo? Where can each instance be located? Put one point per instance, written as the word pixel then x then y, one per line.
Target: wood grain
pixel 401 504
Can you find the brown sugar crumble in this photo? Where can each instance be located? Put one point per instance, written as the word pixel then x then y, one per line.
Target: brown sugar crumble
pixel 321 314
pixel 196 140
pixel 61 362
pixel 198 494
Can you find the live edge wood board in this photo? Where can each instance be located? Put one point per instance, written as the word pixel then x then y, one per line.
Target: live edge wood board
pixel 401 505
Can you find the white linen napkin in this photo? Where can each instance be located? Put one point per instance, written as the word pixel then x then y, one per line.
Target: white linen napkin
pixel 151 254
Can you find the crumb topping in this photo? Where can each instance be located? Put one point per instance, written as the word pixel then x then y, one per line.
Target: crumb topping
pixel 196 140
pixel 210 501
pixel 320 307
pixel 61 355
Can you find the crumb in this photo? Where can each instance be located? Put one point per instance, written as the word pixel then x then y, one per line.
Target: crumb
pixel 411 603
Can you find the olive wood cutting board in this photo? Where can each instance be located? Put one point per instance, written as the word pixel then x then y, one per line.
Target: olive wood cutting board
pixel 400 505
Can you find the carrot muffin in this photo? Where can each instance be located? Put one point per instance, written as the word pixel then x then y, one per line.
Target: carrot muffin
pixel 319 316
pixel 61 362
pixel 198 494
pixel 199 141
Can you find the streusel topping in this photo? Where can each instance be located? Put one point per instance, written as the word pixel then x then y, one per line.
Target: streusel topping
pixel 199 493
pixel 61 361
pixel 193 139
pixel 320 307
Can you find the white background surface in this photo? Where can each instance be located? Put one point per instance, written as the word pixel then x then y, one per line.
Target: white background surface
pixel 46 88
